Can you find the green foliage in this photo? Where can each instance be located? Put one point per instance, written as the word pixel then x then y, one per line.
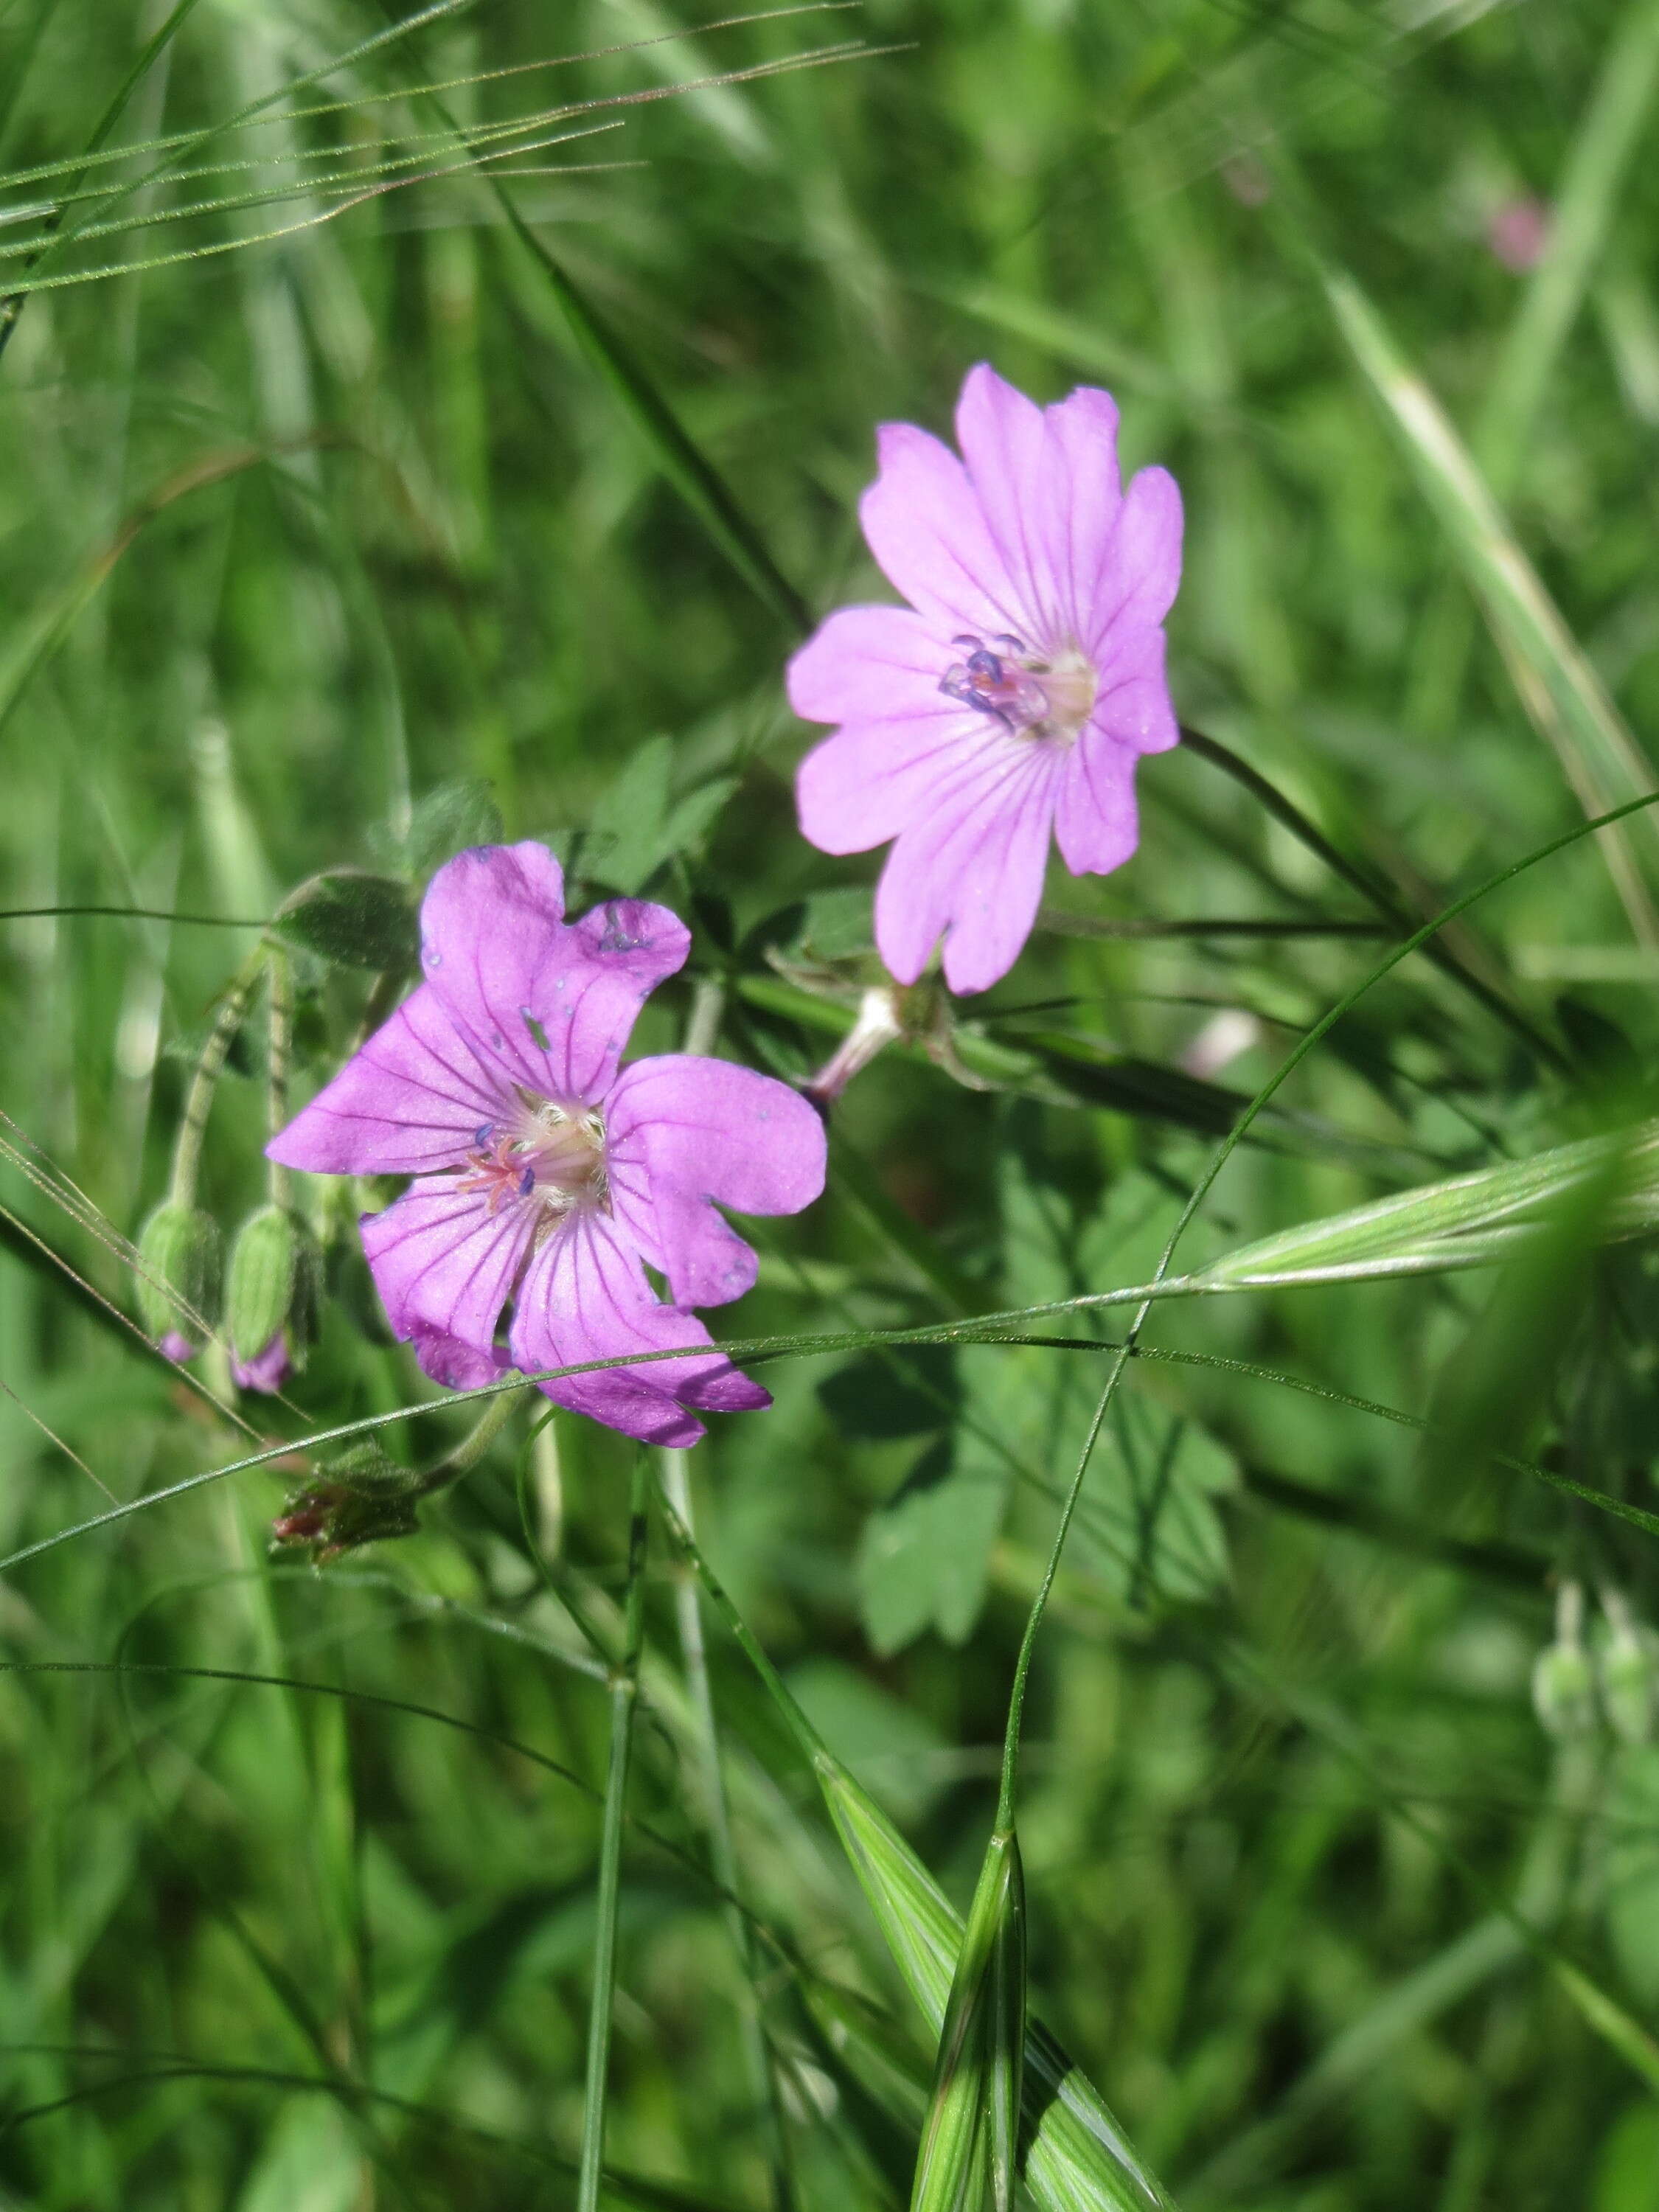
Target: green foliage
pixel 356 519
pixel 636 824
pixel 351 918
pixel 924 1557
pixel 445 821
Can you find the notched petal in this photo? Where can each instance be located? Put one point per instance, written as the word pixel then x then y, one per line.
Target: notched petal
pixel 551 1003
pixel 685 1132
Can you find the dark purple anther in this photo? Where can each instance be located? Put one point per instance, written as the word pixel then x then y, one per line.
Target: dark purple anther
pixel 526 1182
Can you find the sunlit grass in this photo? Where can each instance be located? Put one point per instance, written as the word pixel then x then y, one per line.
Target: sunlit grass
pixel 520 446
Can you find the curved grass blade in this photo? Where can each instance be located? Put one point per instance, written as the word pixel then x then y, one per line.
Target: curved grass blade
pixel 971 2133
pixel 625 1704
pixel 1563 696
pixel 1468 1222
pixel 172 142
pixel 1078 2159
pixel 951 2158
pixel 248 113
pixel 678 456
pixel 12 306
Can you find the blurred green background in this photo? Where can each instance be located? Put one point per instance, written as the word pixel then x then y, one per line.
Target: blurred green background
pixel 292 534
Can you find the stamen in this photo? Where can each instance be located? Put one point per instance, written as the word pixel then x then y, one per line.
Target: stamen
pixel 544 1154
pixel 1029 695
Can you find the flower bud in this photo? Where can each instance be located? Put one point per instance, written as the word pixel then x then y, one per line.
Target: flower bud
pixel 1627 1670
pixel 179 1268
pixel 271 1311
pixel 268 1368
pixel 1627 1689
pixel 360 1498
pixel 1564 1690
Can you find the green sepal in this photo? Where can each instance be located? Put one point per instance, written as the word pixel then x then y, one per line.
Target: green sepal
pixel 275 1271
pixel 179 1265
pixel 352 918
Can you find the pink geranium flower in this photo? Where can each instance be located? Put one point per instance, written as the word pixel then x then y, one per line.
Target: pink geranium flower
pixel 545 1181
pixel 1014 695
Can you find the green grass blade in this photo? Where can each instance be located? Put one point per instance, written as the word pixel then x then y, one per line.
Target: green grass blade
pixel 1077 2158
pixel 1609 141
pixel 12 306
pixel 1462 1221
pixel 1563 694
pixel 1007 2057
pixel 951 2159
pixel 624 1700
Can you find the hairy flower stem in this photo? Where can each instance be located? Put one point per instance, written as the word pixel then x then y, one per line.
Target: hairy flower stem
pixel 279 1052
pixel 624 1698
pixel 702 1033
pixel 498 1411
pixel 1377 893
pixel 1008 1786
pixel 198 1102
pixel 677 1490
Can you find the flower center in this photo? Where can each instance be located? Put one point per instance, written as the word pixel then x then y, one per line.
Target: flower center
pixel 549 1154
pixel 1032 695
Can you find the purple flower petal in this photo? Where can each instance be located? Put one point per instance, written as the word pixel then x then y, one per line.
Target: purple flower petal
pixel 972 868
pixel 870 780
pixel 927 531
pixel 871 664
pixel 441 1261
pixel 1083 454
pixel 683 1131
pixel 267 1370
pixel 553 1002
pixel 413 1099
pixel 1133 705
pixel 1037 586
pixel 586 1296
pixel 458 1366
pixel 1004 439
pixel 176 1346
pixel 1140 573
pixel 1097 825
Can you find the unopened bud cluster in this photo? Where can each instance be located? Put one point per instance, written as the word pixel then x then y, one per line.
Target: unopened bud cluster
pixel 275 1287
pixel 1580 1684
